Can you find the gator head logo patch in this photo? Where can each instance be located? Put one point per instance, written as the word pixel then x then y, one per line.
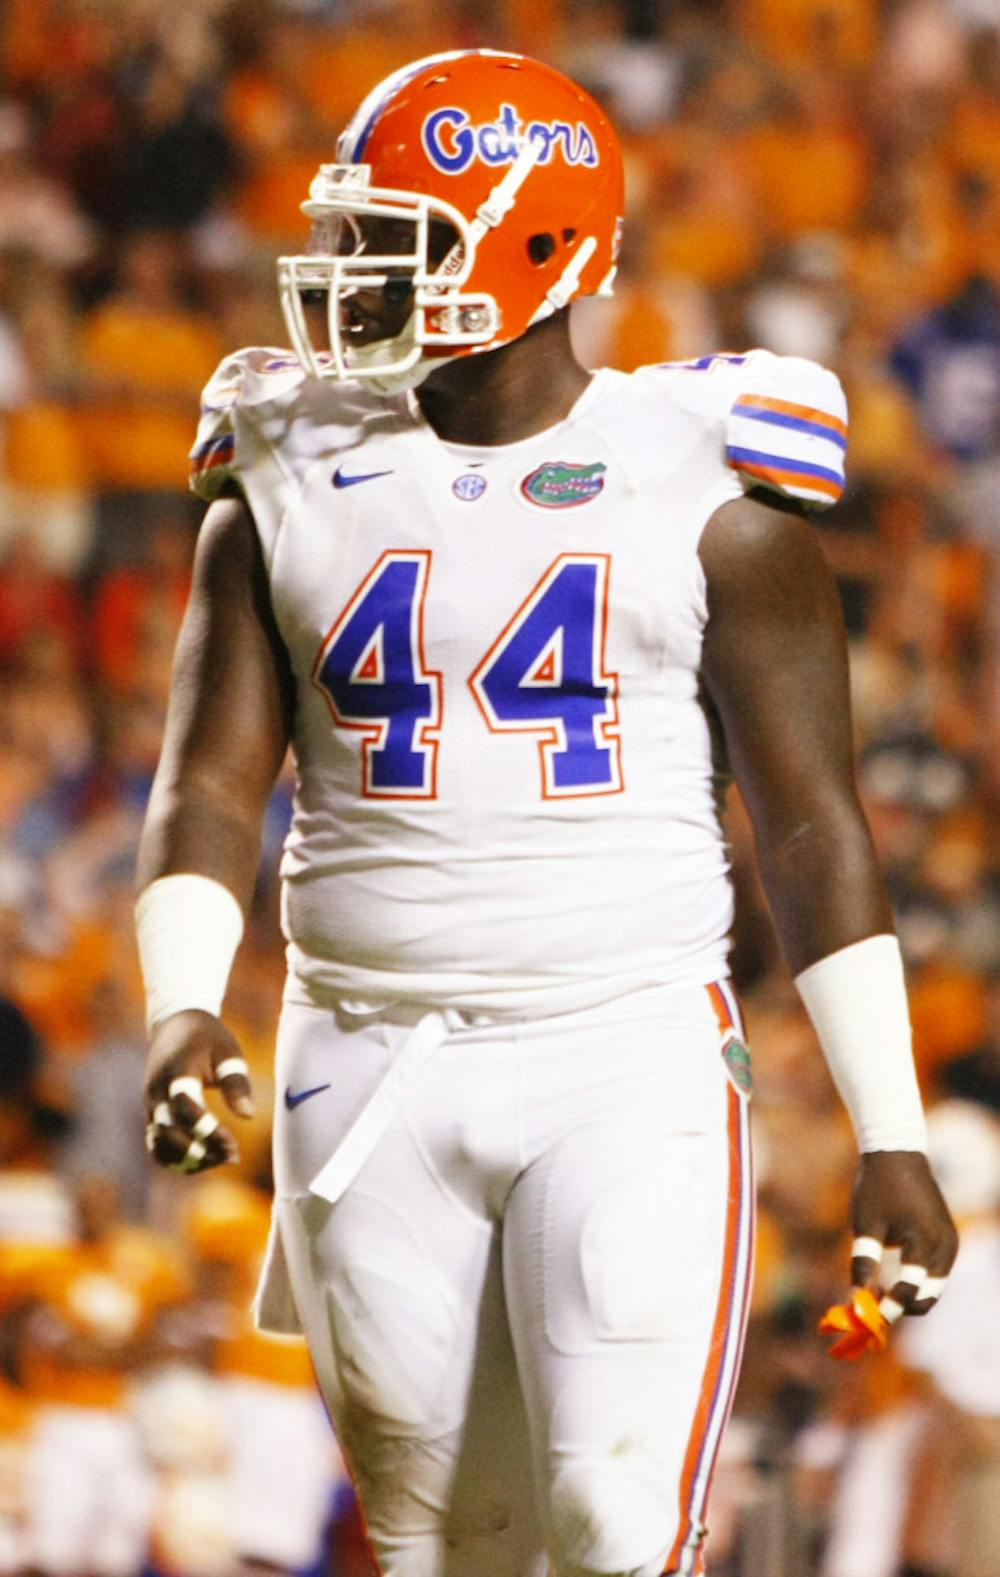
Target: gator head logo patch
pixel 737 1059
pixel 556 485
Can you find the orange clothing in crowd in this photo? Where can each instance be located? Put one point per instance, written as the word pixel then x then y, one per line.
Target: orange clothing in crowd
pixel 702 242
pixel 269 201
pixel 254 1355
pixel 152 365
pixel 43 449
pixel 108 1294
pixel 799 33
pixel 56 990
pixel 806 175
pixel 948 1013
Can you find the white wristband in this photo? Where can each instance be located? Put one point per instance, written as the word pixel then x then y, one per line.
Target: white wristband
pixel 188 928
pixel 856 999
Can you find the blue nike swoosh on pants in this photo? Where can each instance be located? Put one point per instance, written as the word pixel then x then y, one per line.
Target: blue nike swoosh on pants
pixel 291 1101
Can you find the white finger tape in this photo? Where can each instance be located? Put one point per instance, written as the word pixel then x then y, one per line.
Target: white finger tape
pixel 890 1309
pixel 150 1137
pixel 206 1125
pixel 232 1065
pixel 933 1286
pixel 913 1275
pixel 867 1248
pixel 187 1085
pixel 161 1115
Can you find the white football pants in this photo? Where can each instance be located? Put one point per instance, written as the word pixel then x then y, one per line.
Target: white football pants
pixel 526 1311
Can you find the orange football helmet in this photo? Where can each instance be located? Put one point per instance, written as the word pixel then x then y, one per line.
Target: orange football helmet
pixel 519 163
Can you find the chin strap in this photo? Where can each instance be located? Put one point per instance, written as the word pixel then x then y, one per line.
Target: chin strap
pixel 502 198
pixel 566 286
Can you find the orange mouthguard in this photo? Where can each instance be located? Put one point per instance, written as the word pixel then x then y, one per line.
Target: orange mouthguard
pixel 860 1324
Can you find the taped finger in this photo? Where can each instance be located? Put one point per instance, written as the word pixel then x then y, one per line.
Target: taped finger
pixel 162 1116
pixel 914 1275
pixel 932 1287
pixel 205 1126
pixel 233 1067
pixel 867 1248
pixel 187 1084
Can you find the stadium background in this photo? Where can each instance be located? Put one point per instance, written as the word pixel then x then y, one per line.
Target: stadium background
pixel 821 177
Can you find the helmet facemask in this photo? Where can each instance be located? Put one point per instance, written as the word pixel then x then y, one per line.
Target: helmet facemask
pixel 425 253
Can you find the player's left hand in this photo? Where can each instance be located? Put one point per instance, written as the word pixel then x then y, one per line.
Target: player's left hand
pixel 189 1052
pixel 897 1204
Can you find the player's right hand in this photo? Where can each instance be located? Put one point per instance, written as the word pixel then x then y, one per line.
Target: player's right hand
pixel 190 1052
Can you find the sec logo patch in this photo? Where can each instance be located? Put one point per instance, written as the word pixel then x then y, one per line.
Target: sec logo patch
pixel 469 487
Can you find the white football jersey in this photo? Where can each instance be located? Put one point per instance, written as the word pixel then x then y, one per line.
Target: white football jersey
pixel 508 782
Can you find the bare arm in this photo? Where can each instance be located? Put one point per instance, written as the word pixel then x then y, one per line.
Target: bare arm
pixel 228 726
pixel 229 719
pixel 775 665
pixel 776 668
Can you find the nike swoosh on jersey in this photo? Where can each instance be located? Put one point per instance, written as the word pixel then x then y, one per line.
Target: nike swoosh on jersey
pixel 340 480
pixel 291 1101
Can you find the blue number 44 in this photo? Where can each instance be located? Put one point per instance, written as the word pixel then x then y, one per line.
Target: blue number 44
pixel 544 675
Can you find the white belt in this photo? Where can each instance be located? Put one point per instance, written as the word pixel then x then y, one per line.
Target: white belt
pixel 337 1174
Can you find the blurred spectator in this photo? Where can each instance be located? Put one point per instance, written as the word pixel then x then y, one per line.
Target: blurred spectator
pixel 636 79
pixel 108 1076
pixel 34 1110
pixel 180 157
pixel 191 1525
pixel 47 477
pixel 799 307
pixel 799 33
pixel 950 361
pixel 92 1314
pixel 36 606
pixel 137 611
pixel 975 1077
pixel 145 354
pixel 36 213
pixel 283 1460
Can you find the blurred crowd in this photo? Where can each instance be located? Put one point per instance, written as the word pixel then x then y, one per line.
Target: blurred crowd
pixel 820 177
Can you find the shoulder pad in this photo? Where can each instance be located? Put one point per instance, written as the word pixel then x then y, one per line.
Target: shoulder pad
pixel 249 377
pixel 784 420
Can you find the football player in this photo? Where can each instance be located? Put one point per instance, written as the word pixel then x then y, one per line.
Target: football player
pixel 518 623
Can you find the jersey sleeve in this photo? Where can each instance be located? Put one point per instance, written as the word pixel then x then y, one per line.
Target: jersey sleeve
pixel 227 443
pixel 783 420
pixel 212 461
pixel 245 437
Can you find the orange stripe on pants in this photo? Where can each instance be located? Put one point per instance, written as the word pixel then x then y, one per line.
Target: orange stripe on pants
pixel 729 1296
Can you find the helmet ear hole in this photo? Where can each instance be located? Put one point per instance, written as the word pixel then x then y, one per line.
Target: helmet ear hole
pixel 568 236
pixel 541 248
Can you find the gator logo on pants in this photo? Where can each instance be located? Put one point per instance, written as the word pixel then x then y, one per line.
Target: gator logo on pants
pixel 557 485
pixel 737 1059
